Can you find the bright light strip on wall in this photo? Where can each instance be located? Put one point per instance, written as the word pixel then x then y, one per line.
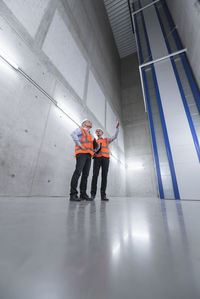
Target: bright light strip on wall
pixel 135 166
pixel 141 236
pixel 60 106
pixel 117 159
pixel 69 114
pixel 116 248
pixel 125 236
pixel 7 59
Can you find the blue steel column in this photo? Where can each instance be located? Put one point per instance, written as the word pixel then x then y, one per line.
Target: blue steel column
pixel 164 127
pixel 186 66
pixel 160 185
pixel 187 111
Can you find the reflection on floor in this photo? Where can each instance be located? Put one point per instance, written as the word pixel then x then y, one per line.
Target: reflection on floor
pixel 126 248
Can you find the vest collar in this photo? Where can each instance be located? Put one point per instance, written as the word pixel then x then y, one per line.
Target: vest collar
pixel 86 129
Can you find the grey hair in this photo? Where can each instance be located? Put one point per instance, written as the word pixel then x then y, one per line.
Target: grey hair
pixel 84 122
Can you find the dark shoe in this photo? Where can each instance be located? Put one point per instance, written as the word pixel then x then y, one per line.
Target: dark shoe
pixel 104 198
pixel 85 197
pixel 93 197
pixel 74 197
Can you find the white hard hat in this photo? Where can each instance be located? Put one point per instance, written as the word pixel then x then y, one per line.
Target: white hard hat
pixel 100 129
pixel 83 121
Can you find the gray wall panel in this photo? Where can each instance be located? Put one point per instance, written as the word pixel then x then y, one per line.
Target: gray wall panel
pixel 37 152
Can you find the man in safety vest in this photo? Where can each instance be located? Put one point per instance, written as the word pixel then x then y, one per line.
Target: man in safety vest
pixel 101 160
pixel 83 153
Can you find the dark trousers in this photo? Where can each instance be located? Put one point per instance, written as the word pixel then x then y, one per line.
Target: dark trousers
pixel 103 163
pixel 83 163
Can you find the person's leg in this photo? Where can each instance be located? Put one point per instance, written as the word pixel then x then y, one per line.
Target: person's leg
pixel 85 174
pixel 104 175
pixel 96 168
pixel 80 162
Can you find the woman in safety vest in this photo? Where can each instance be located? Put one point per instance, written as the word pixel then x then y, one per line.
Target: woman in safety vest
pixel 101 160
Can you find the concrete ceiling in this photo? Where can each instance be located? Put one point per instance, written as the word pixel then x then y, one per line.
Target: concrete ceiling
pixel 120 21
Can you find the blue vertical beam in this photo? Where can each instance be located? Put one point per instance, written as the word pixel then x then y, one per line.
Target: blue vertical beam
pixel 133 5
pixel 193 85
pixel 187 111
pixel 172 25
pixel 164 127
pixel 155 149
pixel 153 136
pixel 138 39
pixel 166 138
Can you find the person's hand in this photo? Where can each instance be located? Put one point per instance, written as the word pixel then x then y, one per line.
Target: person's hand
pixel 117 124
pixel 83 147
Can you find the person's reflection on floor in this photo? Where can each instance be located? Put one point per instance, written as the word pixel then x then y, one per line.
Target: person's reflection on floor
pixel 77 232
pixel 98 279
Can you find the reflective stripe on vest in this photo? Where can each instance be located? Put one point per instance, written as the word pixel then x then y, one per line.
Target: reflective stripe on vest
pixel 87 142
pixel 104 152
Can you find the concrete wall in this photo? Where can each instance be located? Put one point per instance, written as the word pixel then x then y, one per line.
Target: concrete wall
pixel 67 47
pixel 186 16
pixel 140 182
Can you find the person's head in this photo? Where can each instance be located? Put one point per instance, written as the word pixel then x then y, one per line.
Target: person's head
pixel 99 133
pixel 87 124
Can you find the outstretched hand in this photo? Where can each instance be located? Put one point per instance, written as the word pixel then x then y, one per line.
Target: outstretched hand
pixel 117 124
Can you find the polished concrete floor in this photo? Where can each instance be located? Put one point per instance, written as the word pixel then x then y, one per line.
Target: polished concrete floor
pixel 123 249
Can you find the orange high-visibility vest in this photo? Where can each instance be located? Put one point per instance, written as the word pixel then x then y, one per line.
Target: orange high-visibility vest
pixel 104 152
pixel 87 142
